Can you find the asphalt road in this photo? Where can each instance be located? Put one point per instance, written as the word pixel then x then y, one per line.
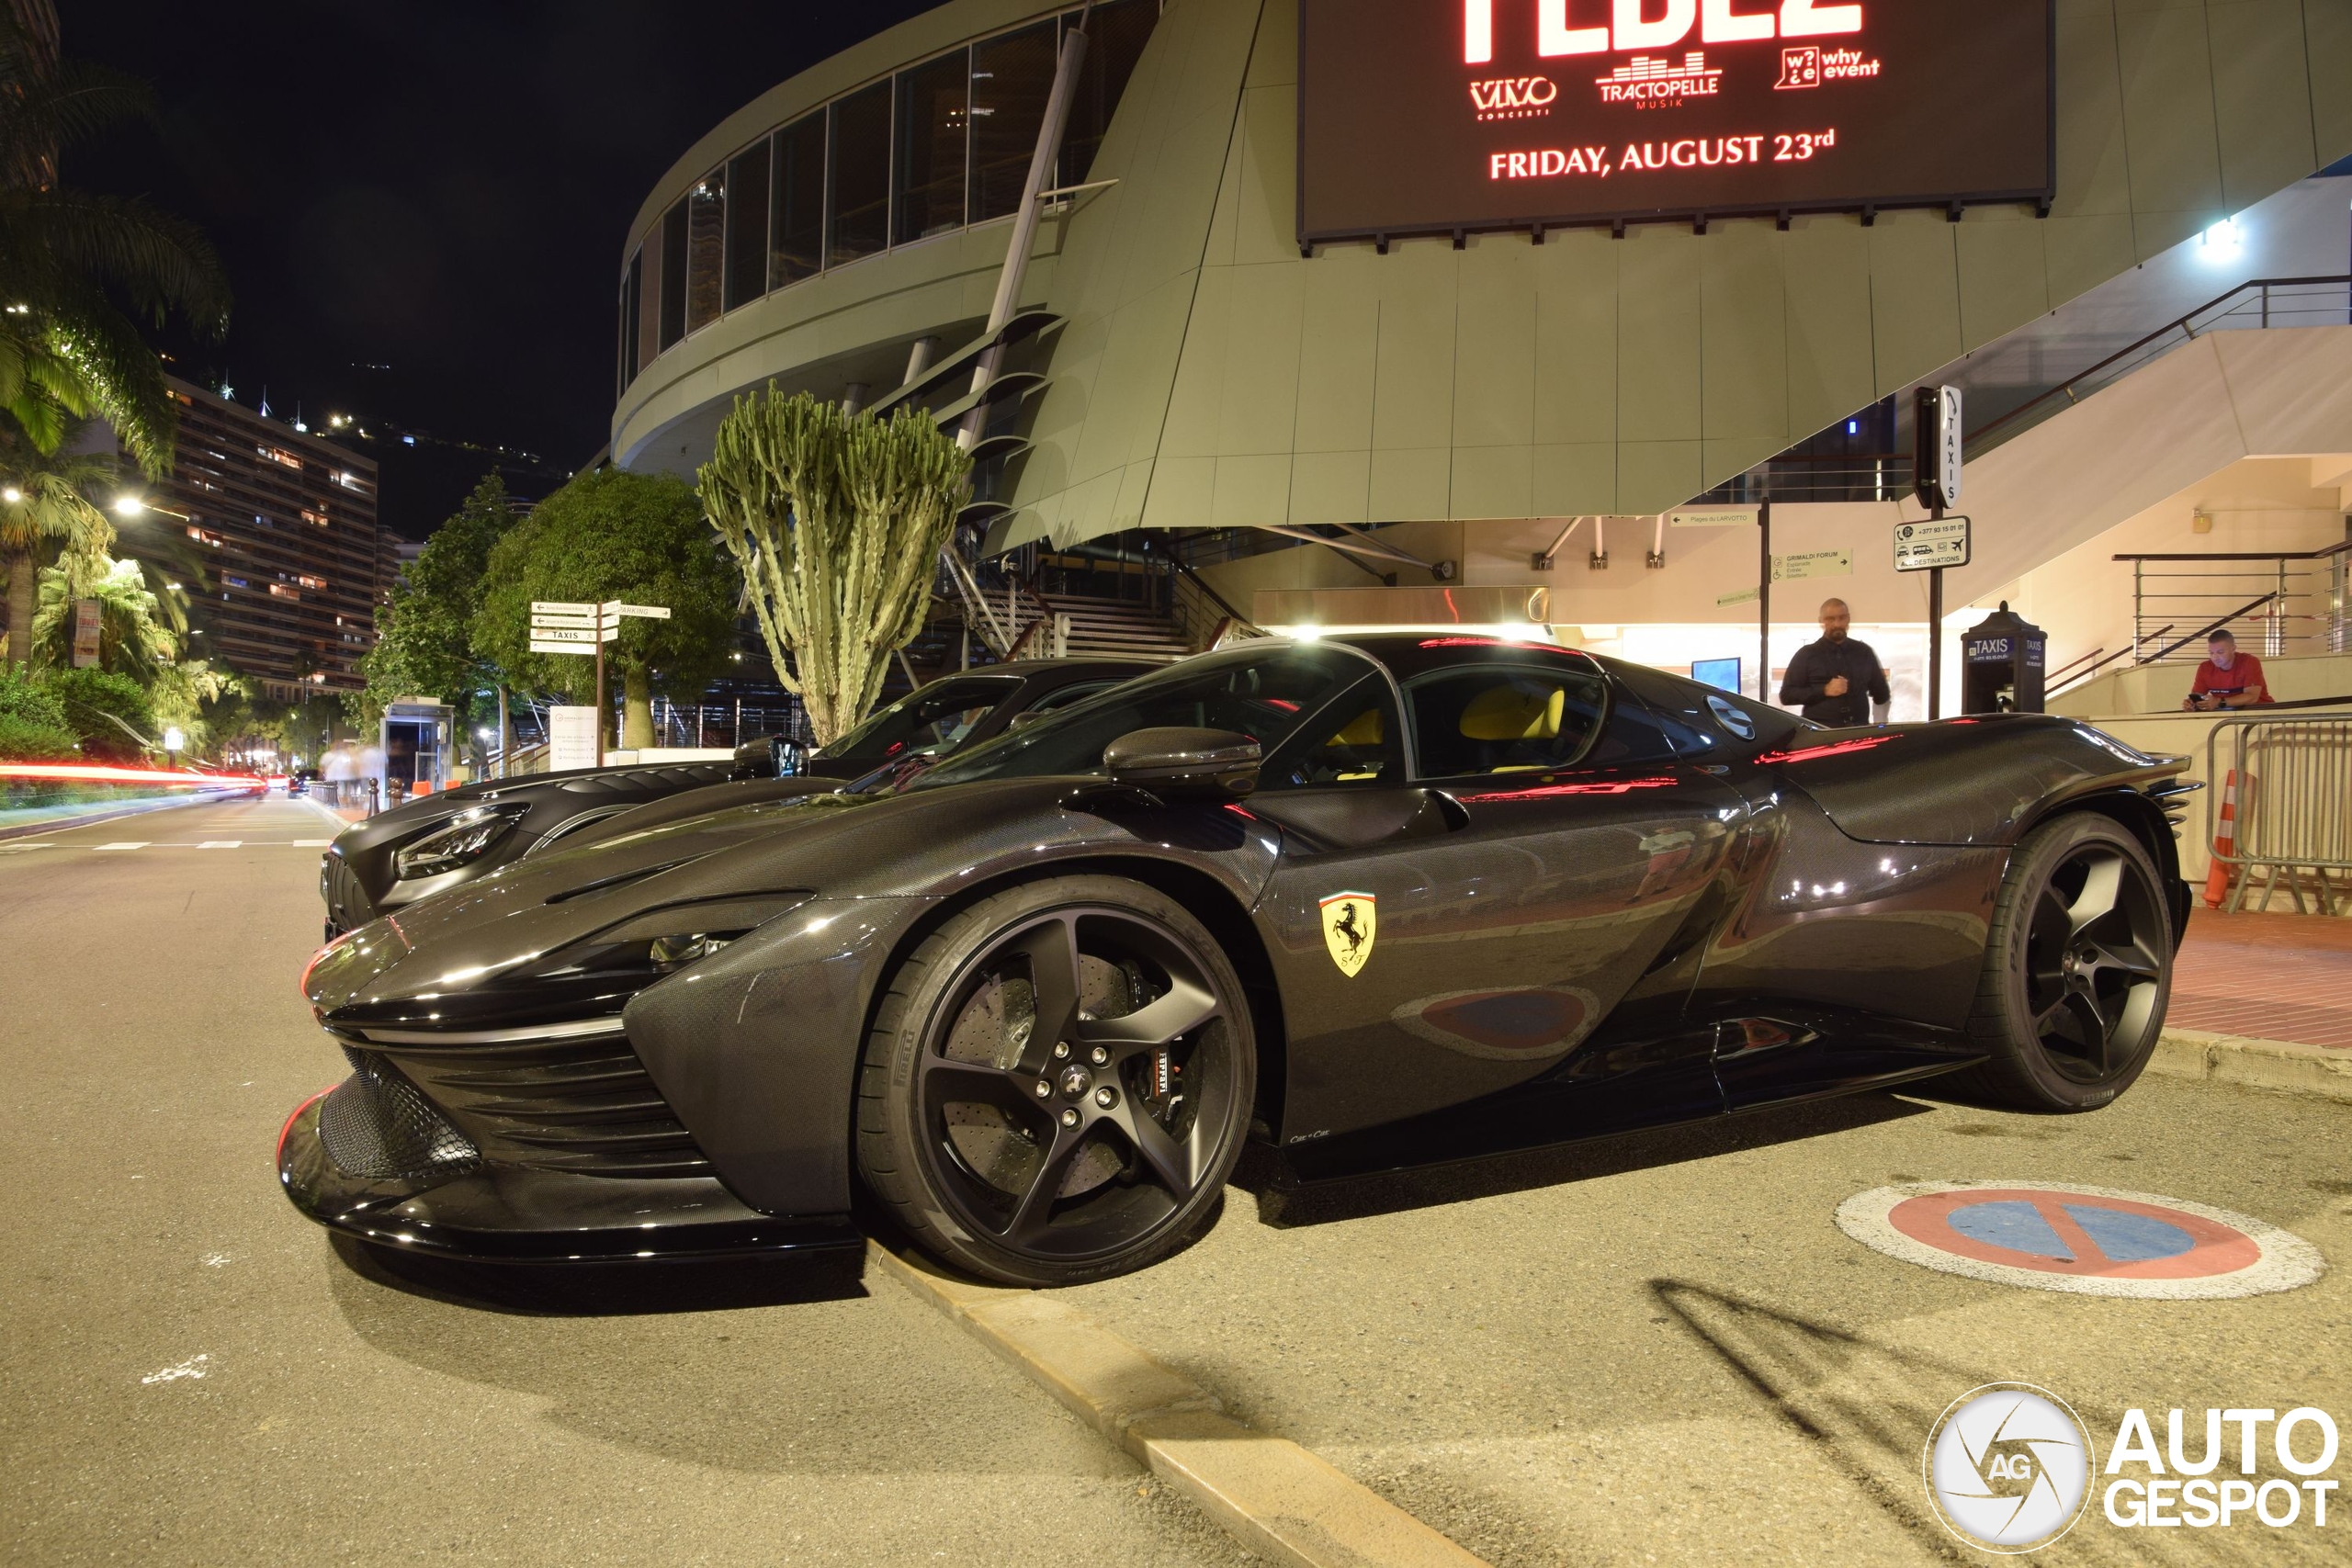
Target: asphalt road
pixel 1656 1350
pixel 152 1042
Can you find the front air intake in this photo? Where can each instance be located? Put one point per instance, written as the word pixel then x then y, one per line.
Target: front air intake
pixel 375 1126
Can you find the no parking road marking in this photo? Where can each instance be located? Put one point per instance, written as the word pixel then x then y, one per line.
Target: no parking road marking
pixel 2088 1240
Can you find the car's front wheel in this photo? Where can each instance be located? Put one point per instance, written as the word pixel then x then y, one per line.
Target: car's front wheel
pixel 1058 1082
pixel 2078 969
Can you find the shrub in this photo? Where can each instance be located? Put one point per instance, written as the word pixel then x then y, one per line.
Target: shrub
pixel 32 721
pixel 98 706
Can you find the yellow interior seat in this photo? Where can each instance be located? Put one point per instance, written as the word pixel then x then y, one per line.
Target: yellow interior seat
pixel 1506 713
pixel 1367 728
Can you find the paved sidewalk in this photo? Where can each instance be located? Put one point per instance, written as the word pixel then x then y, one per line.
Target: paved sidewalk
pixel 2270 977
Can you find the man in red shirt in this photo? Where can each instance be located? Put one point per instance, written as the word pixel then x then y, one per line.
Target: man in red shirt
pixel 2227 679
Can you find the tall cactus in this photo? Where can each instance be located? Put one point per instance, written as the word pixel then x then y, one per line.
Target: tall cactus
pixel 836 521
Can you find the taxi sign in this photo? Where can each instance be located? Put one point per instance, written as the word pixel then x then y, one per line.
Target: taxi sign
pixel 1920 547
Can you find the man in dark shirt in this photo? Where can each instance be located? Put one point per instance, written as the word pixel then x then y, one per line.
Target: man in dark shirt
pixel 1837 682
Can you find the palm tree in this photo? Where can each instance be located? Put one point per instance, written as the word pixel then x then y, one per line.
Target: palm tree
pixel 132 638
pixel 67 348
pixel 45 504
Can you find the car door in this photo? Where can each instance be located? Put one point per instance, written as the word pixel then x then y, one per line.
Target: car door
pixel 1544 923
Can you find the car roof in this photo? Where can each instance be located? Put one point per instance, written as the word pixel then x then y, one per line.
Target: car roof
pixel 1408 654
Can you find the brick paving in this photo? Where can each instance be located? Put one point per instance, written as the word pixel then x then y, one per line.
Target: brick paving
pixel 2272 977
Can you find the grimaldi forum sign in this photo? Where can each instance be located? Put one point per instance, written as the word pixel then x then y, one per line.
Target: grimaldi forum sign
pixel 1420 117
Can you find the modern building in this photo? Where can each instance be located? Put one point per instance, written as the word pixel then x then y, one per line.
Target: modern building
pixel 285 525
pixel 1338 302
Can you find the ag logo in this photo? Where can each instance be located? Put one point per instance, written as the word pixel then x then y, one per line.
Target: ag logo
pixel 1350 922
pixel 2008 1467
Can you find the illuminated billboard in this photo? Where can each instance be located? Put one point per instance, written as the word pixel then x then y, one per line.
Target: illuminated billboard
pixel 1420 117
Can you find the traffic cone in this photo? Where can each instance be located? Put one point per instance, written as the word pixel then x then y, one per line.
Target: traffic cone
pixel 2225 839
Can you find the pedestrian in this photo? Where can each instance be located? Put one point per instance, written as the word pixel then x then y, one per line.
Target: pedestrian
pixel 1838 680
pixel 2227 679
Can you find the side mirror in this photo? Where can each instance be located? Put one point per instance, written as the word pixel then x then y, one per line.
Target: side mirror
pixel 1184 764
pixel 760 757
pixel 1023 720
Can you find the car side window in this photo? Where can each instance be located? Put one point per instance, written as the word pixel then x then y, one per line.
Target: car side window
pixel 1354 742
pixel 1079 692
pixel 1504 719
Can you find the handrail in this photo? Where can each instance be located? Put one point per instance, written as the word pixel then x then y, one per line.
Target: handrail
pixel 2212 627
pixel 2181 323
pixel 2059 674
pixel 1216 598
pixel 2336 550
pixel 2120 653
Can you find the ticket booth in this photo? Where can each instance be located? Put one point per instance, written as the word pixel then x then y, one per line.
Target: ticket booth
pixel 418 752
pixel 2002 660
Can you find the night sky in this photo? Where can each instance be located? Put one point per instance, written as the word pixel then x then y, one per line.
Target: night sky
pixel 421 205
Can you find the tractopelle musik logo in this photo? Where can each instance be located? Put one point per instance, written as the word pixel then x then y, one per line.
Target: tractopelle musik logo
pixel 2009 1467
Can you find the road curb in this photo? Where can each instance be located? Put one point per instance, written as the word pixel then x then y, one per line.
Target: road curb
pixel 2311 1070
pixel 1278 1499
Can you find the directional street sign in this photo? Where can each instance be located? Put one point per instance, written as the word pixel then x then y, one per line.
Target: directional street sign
pixel 587 637
pixel 1813 563
pixel 550 618
pixel 642 611
pixel 553 608
pixel 584 649
pixel 1922 546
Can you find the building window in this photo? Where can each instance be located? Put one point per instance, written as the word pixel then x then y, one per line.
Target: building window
pixel 673 275
pixel 281 454
pixel 1115 40
pixel 798 202
pixel 632 287
pixel 747 226
pixel 1013 76
pixel 861 168
pixel 706 249
pixel 934 128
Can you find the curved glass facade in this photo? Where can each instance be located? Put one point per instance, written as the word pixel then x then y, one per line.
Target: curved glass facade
pixel 937 147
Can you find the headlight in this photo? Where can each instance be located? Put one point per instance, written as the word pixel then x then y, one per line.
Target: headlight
pixel 661 942
pixel 465 838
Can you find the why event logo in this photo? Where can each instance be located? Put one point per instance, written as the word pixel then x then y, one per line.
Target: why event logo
pixel 1576 26
pixel 2010 1468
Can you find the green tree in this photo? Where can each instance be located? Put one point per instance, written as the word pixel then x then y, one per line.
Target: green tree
pixel 184 697
pixel 837 522
pixel 32 721
pixel 640 538
pixel 133 637
pixel 108 713
pixel 46 507
pixel 70 260
pixel 426 645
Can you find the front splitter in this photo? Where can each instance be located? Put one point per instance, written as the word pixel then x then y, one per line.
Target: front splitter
pixel 513 1215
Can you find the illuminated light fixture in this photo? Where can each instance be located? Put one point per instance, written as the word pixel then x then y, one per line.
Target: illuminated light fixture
pixel 2222 240
pixel 129 506
pixel 12 495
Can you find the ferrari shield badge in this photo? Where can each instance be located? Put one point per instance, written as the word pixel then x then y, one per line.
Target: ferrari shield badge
pixel 1350 922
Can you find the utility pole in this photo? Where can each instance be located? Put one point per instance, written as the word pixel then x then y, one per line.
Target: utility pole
pixel 1764 602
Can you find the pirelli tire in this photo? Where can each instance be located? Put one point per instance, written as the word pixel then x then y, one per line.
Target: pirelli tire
pixel 1057 1083
pixel 2078 969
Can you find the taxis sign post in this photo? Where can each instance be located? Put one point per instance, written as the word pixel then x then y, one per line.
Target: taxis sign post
pixel 1932 546
pixel 563 627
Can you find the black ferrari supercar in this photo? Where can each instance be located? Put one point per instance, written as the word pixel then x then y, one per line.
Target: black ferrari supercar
pixel 1378 901
pixel 440 841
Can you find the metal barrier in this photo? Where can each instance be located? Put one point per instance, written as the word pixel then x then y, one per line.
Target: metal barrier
pixel 2295 804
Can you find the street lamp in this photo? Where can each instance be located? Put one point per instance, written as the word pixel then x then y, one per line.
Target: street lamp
pixel 12 495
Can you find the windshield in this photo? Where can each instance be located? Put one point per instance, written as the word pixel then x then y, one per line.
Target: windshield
pixel 936 718
pixel 1264 693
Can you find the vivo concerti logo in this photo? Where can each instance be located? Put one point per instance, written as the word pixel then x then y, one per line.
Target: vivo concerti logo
pixel 1558 33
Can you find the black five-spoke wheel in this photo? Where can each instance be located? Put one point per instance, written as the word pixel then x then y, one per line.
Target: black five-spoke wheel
pixel 1058 1082
pixel 2078 969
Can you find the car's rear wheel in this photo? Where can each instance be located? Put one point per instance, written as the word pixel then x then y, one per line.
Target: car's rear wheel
pixel 2078 969
pixel 1057 1083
